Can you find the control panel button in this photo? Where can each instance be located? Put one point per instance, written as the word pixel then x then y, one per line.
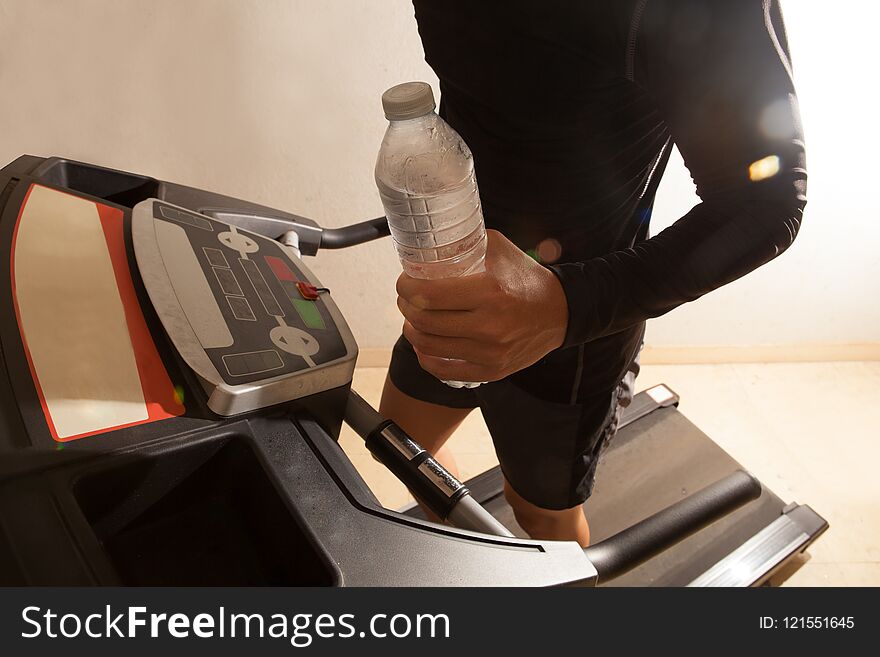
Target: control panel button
pixel 215 257
pixel 241 309
pixel 252 362
pixel 228 281
pixel 295 341
pixel 270 303
pixel 238 242
pixel 185 218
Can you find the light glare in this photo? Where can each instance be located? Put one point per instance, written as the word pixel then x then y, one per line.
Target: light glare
pixel 766 167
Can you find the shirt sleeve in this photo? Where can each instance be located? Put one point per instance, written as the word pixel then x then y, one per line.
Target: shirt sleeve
pixel 720 74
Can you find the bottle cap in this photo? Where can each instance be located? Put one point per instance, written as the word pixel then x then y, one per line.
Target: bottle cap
pixel 407 101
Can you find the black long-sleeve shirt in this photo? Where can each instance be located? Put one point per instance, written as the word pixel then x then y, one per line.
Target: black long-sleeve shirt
pixel 571 108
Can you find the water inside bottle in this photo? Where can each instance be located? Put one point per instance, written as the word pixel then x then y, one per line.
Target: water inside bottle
pixel 437 236
pixel 425 175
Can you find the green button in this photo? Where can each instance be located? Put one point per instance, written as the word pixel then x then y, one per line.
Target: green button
pixel 309 312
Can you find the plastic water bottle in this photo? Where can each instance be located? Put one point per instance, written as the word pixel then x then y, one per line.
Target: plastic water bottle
pixel 425 175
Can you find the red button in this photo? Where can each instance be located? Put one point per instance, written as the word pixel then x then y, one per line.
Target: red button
pixel 307 290
pixel 280 269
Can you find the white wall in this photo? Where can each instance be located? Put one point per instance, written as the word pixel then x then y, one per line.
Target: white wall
pixel 826 288
pixel 277 101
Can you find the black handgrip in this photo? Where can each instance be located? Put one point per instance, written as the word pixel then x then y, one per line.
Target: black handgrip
pixel 429 482
pixel 340 238
pixel 627 549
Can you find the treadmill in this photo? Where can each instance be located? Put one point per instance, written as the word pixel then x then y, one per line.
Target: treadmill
pixel 172 384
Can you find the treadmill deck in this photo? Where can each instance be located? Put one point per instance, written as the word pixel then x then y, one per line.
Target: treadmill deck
pixel 658 458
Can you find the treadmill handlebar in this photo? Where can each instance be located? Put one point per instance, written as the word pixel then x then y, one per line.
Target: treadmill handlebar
pixel 366 231
pixel 627 549
pixel 360 416
pixel 431 483
pixel 468 514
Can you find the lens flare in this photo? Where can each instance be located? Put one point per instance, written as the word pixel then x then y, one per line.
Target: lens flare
pixel 766 167
pixel 549 250
pixel 777 121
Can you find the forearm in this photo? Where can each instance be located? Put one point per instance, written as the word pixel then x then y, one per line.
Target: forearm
pixel 714 244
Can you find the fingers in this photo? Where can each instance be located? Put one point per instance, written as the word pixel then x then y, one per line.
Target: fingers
pixel 454 358
pixel 463 293
pixel 457 370
pixel 455 348
pixel 448 323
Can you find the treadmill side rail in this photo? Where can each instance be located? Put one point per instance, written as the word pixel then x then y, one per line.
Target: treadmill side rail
pixel 756 560
pixel 646 402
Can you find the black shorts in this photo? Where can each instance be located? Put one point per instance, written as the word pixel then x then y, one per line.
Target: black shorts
pixel 549 422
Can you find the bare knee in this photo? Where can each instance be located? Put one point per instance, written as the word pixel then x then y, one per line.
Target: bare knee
pixel 536 521
pixel 540 523
pixel 428 424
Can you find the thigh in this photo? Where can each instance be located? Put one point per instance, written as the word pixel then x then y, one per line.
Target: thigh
pixel 549 448
pixel 426 408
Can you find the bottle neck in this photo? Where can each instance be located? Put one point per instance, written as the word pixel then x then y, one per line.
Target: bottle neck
pixel 415 123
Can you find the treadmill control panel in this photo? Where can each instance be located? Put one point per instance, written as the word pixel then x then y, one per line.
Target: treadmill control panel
pixel 240 308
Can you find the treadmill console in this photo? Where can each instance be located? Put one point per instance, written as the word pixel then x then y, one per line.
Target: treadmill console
pixel 241 309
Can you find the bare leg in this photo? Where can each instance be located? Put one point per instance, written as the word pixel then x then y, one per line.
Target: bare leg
pixel 430 425
pixel 565 525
